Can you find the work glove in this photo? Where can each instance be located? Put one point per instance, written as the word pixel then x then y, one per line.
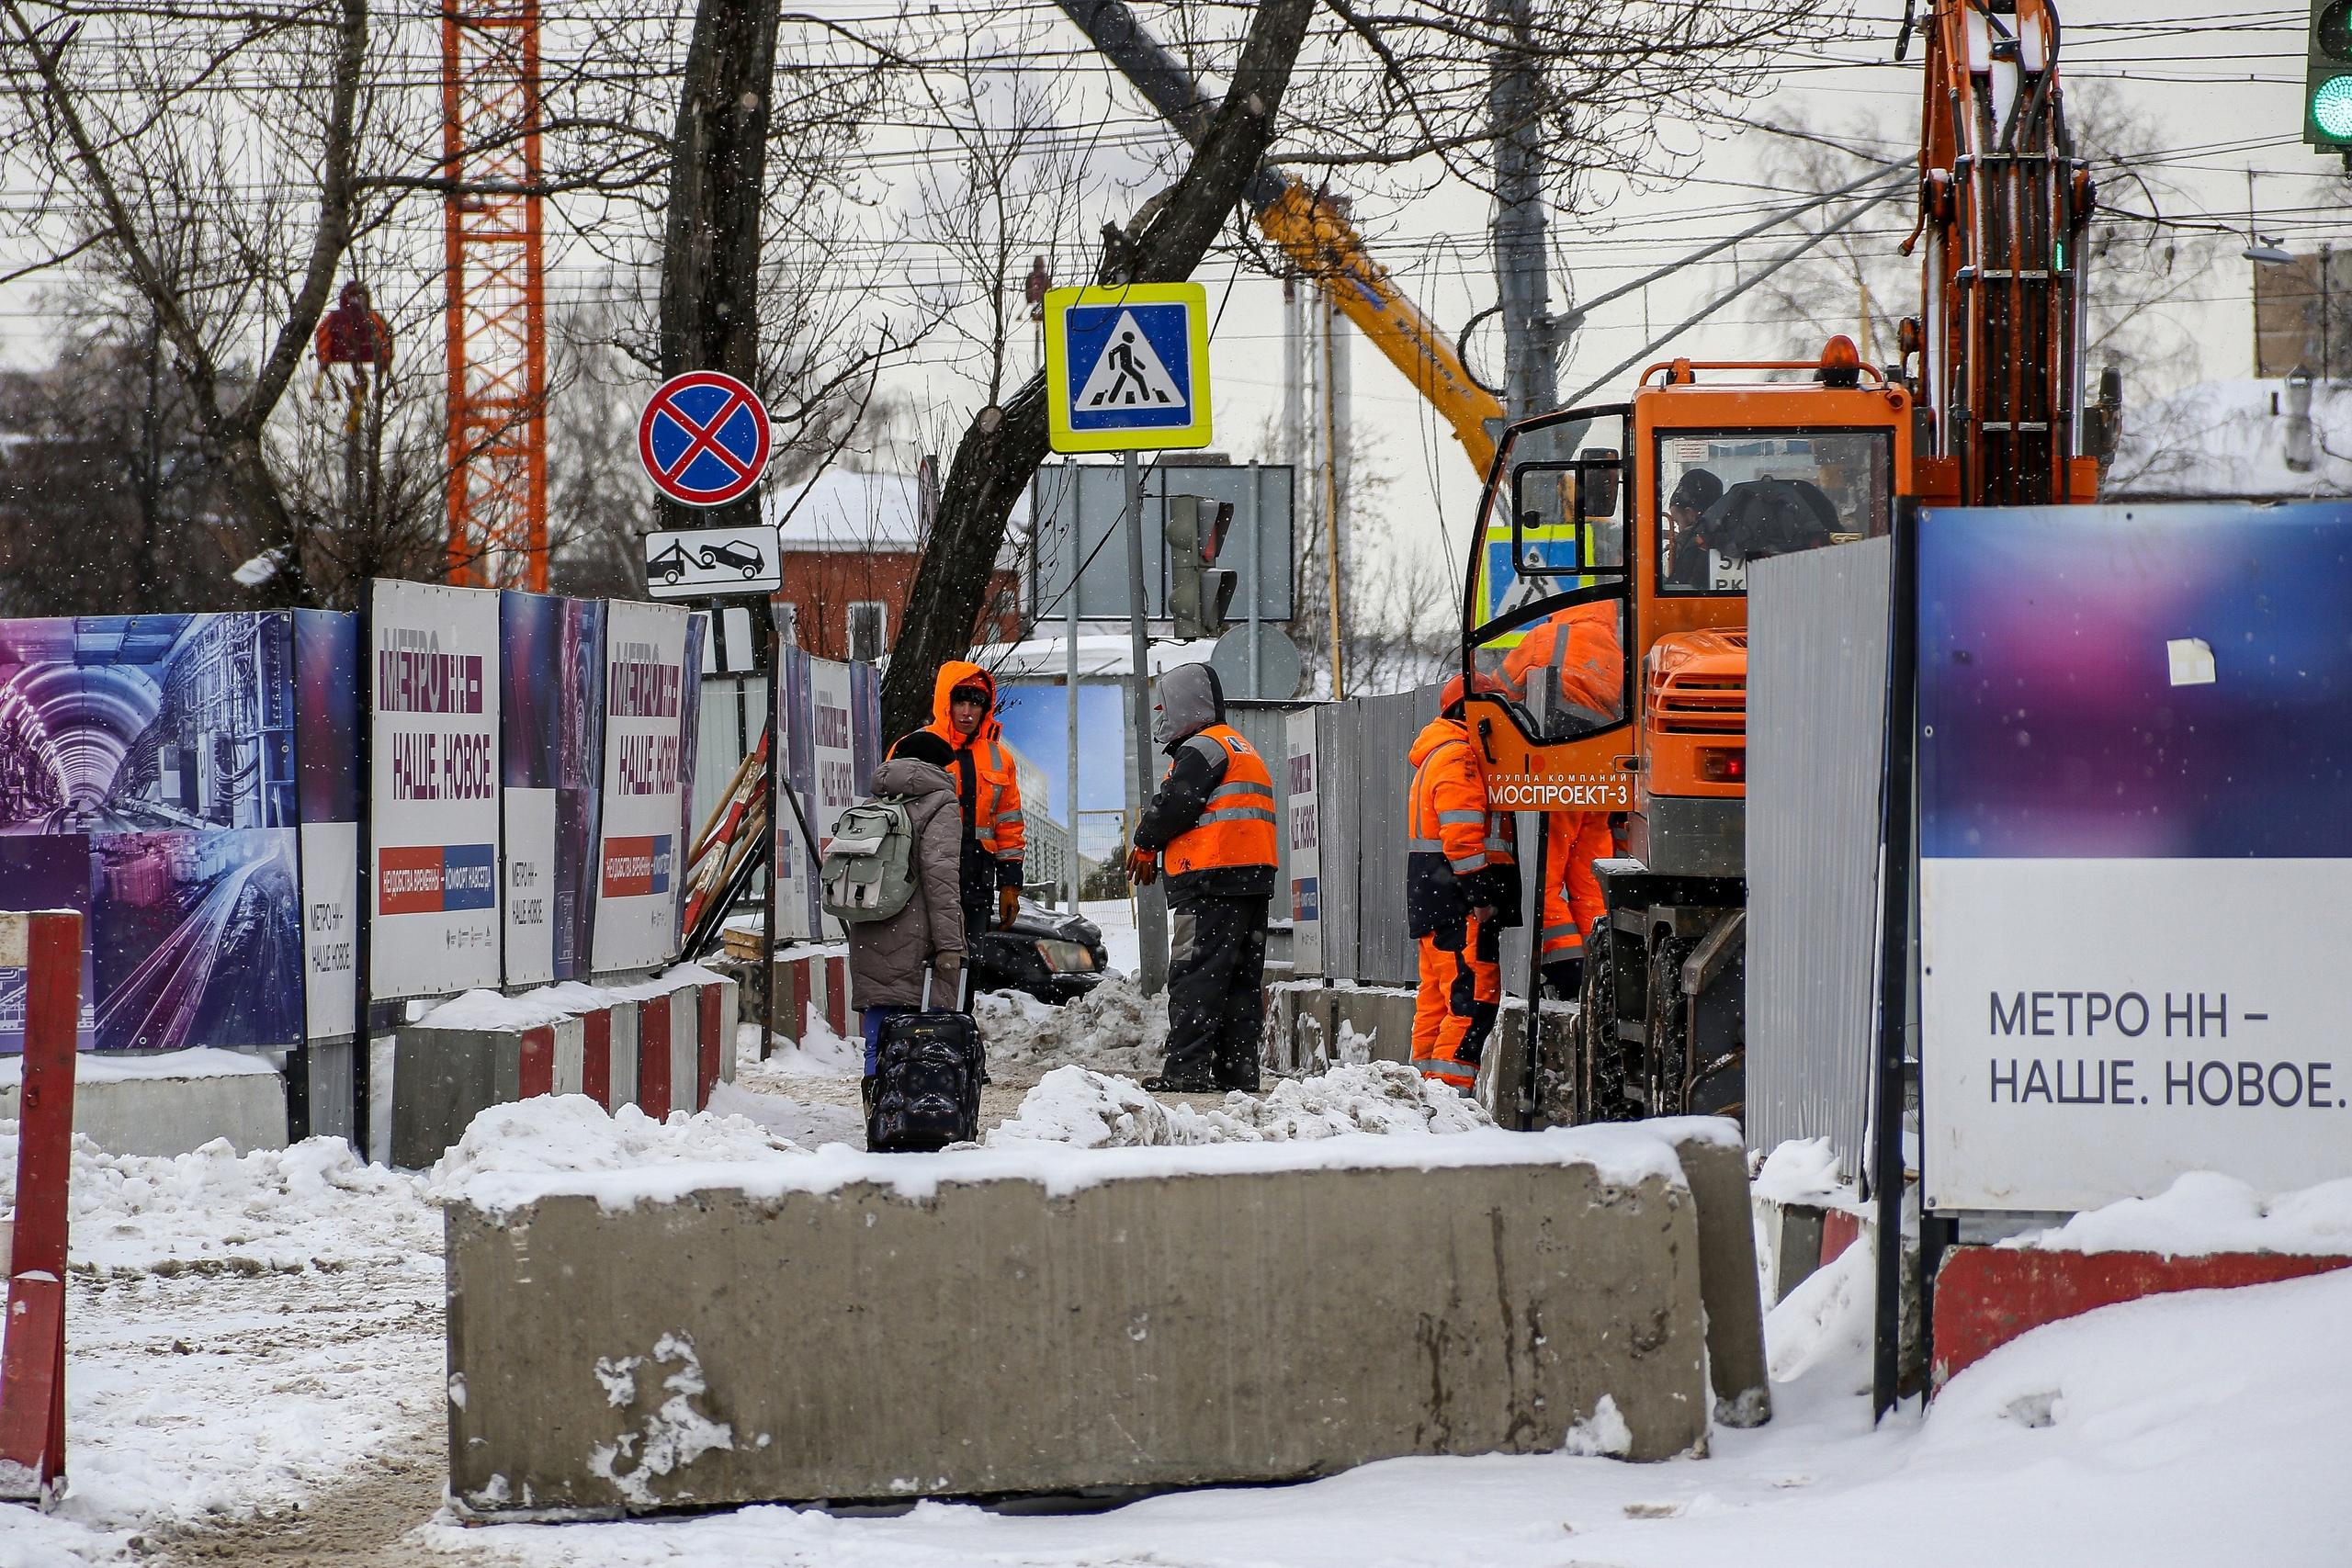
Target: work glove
pixel 1143 867
pixel 1008 906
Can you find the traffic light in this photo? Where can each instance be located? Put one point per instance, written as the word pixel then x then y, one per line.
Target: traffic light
pixel 1198 592
pixel 2327 77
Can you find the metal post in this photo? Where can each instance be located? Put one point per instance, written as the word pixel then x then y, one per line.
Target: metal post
pixel 1151 906
pixel 1257 545
pixel 1530 335
pixel 1894 973
pixel 1069 680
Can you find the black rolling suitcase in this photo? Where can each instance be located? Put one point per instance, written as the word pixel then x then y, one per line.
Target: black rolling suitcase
pixel 927 1081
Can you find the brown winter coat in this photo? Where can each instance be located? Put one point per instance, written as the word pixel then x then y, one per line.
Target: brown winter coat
pixel 886 957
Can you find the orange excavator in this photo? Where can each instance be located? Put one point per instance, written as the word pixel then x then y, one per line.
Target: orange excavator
pixel 1643 515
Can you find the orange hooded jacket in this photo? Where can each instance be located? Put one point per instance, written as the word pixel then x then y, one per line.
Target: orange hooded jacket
pixel 1461 853
pixel 985 783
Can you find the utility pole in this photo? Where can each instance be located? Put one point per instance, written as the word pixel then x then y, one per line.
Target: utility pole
pixel 1531 336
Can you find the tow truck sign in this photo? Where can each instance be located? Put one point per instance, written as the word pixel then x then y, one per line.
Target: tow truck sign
pixel 713 563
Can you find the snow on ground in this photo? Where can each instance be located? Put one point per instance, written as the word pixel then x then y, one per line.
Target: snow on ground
pixel 1113 1029
pixel 256 1364
pixel 1071 1105
pixel 240 1330
pixel 2206 1212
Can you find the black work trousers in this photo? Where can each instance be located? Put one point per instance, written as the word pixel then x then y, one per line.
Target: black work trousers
pixel 1216 1001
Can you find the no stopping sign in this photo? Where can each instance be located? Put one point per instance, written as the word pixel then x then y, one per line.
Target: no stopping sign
pixel 702 438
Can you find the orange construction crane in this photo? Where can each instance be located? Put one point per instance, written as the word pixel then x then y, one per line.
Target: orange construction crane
pixel 497 307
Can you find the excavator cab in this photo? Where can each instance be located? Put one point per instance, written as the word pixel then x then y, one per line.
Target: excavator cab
pixel 1606 604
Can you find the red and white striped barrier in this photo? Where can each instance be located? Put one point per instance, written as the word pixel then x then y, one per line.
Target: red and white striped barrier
pixel 48 948
pixel 812 986
pixel 660 1046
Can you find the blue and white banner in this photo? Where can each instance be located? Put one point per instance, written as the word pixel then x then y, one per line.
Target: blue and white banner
pixel 432 789
pixel 2135 892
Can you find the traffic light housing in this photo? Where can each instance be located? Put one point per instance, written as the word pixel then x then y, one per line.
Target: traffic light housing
pixel 1199 593
pixel 2327 77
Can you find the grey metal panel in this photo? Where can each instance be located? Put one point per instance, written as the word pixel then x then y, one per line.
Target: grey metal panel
pixel 1097 493
pixel 1384 780
pixel 1336 729
pixel 1816 715
pixel 1264 725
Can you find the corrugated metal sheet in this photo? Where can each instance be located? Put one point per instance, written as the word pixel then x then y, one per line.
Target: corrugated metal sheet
pixel 1816 705
pixel 1335 747
pixel 1385 728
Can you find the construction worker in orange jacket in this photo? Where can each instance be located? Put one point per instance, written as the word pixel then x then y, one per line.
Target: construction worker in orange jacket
pixel 962 714
pixel 1461 890
pixel 1211 825
pixel 1569 672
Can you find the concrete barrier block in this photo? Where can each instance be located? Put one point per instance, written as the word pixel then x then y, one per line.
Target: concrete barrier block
pixel 1714 1162
pixel 169 1103
pixel 628 1025
pixel 850 1341
pixel 570 1068
pixel 729 1009
pixel 686 1046
pixel 443 1078
pixel 655 1018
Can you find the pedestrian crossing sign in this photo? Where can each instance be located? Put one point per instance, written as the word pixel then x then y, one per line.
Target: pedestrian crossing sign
pixel 1127 368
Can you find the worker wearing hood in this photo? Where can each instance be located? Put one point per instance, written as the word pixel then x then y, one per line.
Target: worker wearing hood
pixel 1211 826
pixel 962 714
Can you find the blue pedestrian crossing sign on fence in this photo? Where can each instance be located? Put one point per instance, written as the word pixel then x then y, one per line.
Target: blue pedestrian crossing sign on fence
pixel 1127 368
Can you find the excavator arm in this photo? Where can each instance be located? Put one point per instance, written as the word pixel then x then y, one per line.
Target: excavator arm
pixel 2003 204
pixel 1311 230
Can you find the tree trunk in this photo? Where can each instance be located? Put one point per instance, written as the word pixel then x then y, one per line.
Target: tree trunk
pixel 710 249
pixel 1002 448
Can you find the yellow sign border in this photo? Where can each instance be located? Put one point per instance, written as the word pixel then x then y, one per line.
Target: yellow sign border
pixel 1058 303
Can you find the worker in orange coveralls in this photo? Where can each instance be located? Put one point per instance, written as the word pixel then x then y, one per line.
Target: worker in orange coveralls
pixel 1570 670
pixel 1461 890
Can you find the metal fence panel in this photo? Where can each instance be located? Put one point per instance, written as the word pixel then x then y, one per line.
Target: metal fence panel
pixel 1336 727
pixel 1817 717
pixel 1384 954
pixel 1265 727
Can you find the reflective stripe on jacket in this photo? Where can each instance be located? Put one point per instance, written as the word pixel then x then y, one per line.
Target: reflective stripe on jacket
pixel 1236 827
pixel 986 780
pixel 1460 853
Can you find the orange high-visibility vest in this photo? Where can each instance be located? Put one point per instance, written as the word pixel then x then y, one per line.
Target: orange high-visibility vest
pixel 1238 826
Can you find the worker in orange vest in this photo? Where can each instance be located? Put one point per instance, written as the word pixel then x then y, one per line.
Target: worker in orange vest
pixel 1569 673
pixel 1211 826
pixel 1461 890
pixel 962 714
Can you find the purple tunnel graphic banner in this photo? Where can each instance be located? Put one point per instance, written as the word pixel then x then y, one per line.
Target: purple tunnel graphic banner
pixel 552 761
pixel 156 752
pixel 2135 812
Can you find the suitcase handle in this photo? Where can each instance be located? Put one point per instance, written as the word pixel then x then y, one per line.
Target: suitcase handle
pixel 963 986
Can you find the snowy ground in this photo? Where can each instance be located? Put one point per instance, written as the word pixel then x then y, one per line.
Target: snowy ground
pixel 255 1374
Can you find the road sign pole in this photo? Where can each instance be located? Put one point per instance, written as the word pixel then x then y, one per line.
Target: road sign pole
pixel 1151 907
pixel 1257 544
pixel 1070 665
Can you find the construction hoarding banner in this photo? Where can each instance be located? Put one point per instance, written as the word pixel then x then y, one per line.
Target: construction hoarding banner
pixel 147 765
pixel 2135 727
pixel 326 748
pixel 434 695
pixel 551 763
pixel 794 755
pixel 639 854
pixel 1302 820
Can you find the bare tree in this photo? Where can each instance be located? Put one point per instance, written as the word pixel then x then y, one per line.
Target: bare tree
pixel 1858 282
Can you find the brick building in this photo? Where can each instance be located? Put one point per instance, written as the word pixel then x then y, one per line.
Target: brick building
pixel 851 544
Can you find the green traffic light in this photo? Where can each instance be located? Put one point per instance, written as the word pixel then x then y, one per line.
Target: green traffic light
pixel 2332 107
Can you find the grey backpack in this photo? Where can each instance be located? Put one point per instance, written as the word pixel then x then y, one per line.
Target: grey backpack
pixel 868 873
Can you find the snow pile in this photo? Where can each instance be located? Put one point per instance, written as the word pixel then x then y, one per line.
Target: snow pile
pixel 510 1152
pixel 820 1053
pixel 1072 1105
pixel 1113 1029
pixel 1828 1321
pixel 1804 1171
pixel 2205 1212
pixel 272 1209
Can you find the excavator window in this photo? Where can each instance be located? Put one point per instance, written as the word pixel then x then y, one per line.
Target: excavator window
pixel 1549 598
pixel 1725 498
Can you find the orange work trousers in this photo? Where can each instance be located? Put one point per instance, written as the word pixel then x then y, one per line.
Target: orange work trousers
pixel 1572 842
pixel 1462 985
